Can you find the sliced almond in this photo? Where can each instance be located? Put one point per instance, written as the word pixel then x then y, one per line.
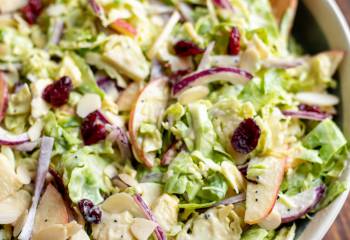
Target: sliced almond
pixel 35 130
pixel 193 94
pixel 142 228
pixel 7 6
pixel 110 171
pixel 121 202
pixel 128 179
pixel 7 152
pixel 56 231
pixel 150 192
pixel 39 107
pixel 250 59
pixel 72 228
pixel 9 182
pixel 13 207
pixel 165 210
pixel 81 235
pixel 23 174
pixel 89 103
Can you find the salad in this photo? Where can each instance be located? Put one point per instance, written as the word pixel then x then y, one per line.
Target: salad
pixel 146 119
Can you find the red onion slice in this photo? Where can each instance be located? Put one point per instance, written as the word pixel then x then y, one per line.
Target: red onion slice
pixel 120 136
pixel 170 153
pixel 9 139
pixel 232 200
pixel 96 8
pixel 225 4
pixel 104 82
pixel 306 115
pixel 109 86
pixel 160 235
pixel 232 75
pixel 43 166
pixel 303 203
pixel 4 96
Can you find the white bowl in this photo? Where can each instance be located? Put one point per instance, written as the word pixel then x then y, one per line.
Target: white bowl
pixel 336 30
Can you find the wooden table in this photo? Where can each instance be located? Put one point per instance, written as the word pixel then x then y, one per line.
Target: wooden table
pixel 341 228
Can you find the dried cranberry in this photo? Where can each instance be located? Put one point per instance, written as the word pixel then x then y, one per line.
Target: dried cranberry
pixel 32 11
pixel 186 48
pixel 309 108
pixel 93 128
pixel 57 94
pixel 245 138
pixel 234 45
pixel 90 212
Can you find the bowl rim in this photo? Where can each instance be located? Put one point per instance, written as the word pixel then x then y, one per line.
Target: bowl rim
pixel 323 220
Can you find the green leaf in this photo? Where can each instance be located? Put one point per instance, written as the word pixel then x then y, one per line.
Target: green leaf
pixel 89 84
pixel 326 136
pixel 333 191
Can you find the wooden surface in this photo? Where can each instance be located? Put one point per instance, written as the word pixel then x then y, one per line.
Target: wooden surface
pixel 341 227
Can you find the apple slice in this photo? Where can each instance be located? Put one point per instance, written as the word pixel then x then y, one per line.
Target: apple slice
pixel 54 231
pixel 3 96
pixel 272 221
pixel 280 8
pixel 128 97
pixel 299 204
pixel 123 27
pixel 51 210
pixel 266 175
pixel 148 108
pixel 229 74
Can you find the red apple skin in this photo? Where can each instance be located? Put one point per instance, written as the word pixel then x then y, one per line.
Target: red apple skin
pixel 275 195
pixel 123 27
pixel 154 86
pixel 3 96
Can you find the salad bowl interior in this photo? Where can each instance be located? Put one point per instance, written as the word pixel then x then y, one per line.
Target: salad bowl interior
pixel 319 26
